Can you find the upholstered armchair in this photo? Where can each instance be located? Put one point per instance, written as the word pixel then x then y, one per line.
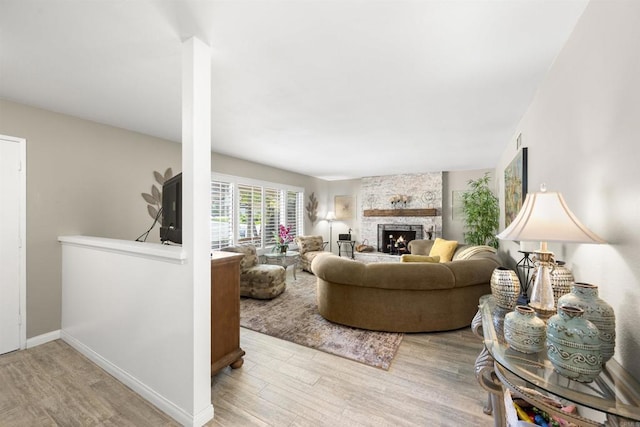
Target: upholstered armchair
pixel 260 281
pixel 309 247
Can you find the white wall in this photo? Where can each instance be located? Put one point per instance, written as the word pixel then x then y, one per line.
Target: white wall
pixel 126 307
pixel 582 130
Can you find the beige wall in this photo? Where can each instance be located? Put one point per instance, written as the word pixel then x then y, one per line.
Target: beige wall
pixel 82 178
pixel 582 130
pixel 86 178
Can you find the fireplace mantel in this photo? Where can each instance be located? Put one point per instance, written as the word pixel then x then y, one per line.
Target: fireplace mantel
pixel 400 212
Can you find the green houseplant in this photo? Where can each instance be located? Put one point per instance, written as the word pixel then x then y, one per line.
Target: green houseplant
pixel 481 213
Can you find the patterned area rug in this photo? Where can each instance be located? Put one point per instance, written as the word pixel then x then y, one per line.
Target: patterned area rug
pixel 293 316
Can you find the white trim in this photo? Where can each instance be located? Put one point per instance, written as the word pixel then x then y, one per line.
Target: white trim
pixel 139 387
pixel 249 181
pixel 43 339
pixel 155 251
pixel 23 238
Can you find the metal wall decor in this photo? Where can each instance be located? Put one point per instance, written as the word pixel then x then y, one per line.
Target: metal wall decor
pixel 312 208
pixel 154 199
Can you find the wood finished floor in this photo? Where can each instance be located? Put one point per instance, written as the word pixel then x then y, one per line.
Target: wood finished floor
pixel 431 382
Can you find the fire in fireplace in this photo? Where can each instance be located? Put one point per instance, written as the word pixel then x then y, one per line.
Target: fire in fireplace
pixel 393 238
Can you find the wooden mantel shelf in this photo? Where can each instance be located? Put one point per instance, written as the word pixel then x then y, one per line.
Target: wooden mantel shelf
pixel 401 212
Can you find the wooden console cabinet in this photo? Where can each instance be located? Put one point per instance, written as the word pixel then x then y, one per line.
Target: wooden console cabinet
pixel 225 311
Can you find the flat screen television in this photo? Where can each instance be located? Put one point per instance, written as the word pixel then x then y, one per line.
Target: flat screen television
pixel 171 228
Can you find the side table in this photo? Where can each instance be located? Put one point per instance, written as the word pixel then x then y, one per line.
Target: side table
pixel 613 397
pixel 284 259
pixel 349 246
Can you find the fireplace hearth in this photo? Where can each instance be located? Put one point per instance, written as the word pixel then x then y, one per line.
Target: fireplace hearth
pixel 393 238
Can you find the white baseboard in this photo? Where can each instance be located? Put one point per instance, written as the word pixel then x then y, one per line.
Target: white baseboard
pixel 42 339
pixel 139 387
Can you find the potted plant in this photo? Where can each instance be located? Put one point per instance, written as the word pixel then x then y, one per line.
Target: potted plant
pixel 283 238
pixel 481 213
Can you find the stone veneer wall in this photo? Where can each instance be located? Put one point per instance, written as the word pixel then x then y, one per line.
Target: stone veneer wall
pixel 424 191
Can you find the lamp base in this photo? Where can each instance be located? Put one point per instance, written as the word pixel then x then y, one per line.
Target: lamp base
pixel 542 293
pixel 542 313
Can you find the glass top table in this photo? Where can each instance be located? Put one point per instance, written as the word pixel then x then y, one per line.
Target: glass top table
pixel 284 259
pixel 614 393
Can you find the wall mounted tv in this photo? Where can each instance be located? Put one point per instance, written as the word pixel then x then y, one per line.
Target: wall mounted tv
pixel 171 228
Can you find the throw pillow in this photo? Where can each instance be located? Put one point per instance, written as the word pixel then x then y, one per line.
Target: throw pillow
pixel 474 250
pixel 419 258
pixel 443 248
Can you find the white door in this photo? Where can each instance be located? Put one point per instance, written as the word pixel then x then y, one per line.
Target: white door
pixel 12 239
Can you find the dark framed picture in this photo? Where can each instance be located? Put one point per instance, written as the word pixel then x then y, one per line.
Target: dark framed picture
pixel 515 186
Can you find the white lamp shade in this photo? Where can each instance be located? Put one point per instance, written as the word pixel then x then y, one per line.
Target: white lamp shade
pixel 330 216
pixel 546 217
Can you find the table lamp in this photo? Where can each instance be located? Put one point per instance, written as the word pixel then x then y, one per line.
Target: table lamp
pixel 330 217
pixel 545 217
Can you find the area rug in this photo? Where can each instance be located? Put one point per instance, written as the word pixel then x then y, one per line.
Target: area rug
pixel 293 316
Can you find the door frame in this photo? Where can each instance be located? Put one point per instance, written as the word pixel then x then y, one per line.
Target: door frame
pixel 22 281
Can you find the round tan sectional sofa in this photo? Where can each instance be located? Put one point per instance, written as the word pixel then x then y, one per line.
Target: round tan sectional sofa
pixel 402 296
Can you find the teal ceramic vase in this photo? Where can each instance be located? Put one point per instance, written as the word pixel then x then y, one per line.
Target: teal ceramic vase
pixel 505 287
pixel 596 310
pixel 573 345
pixel 524 331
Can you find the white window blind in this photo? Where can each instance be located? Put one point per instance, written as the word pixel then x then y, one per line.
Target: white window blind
pixel 221 214
pixel 249 214
pixel 294 212
pixel 273 214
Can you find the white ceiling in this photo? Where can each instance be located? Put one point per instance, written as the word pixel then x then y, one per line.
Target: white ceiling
pixel 333 89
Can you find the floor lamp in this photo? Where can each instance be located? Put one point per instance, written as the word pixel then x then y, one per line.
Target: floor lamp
pixel 545 217
pixel 330 218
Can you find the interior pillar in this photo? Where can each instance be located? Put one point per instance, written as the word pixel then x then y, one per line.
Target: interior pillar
pixel 196 206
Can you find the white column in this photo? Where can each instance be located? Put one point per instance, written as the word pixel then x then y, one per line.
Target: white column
pixel 196 206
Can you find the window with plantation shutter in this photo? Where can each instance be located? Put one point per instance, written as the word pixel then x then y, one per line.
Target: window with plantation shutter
pixel 246 211
pixel 294 211
pixel 273 214
pixel 221 214
pixel 249 214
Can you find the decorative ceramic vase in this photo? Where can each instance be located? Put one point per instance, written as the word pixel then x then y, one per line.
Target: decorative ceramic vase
pixel 561 280
pixel 596 310
pixel 505 287
pixel 498 314
pixel 283 249
pixel 524 331
pixel 573 344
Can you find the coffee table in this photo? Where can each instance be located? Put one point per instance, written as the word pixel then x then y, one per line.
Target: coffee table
pixel 284 259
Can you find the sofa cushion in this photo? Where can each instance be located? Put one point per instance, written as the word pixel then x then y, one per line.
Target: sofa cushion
pixel 419 258
pixel 471 251
pixel 420 247
pixel 444 249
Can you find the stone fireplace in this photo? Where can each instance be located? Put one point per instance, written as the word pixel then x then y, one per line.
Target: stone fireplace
pixel 380 217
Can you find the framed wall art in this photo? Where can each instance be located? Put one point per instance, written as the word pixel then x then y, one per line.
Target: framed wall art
pixel 344 207
pixel 515 186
